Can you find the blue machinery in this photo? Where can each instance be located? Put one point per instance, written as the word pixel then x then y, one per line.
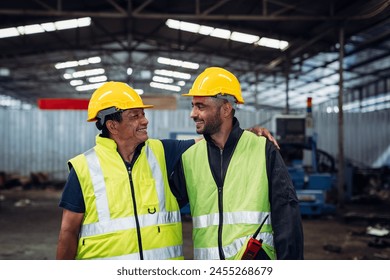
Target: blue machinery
pixel 314 190
pixel 312 170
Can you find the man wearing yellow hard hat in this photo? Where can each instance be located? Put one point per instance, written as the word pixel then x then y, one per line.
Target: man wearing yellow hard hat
pixel 243 203
pixel 117 202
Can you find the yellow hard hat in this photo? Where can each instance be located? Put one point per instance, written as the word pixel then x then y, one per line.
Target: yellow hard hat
pixel 214 81
pixel 113 95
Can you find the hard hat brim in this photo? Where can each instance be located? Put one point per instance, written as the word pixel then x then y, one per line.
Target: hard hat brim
pixel 138 107
pixel 192 95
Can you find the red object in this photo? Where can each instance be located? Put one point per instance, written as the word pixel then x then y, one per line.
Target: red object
pixel 252 249
pixel 308 108
pixel 63 104
pixel 309 102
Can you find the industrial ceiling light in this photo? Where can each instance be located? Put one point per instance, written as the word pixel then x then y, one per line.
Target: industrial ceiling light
pixel 139 91
pixel 76 82
pixel 9 32
pixel 30 29
pixel 8 101
pixel 205 30
pixel 97 79
pixel 86 73
pixel 178 63
pixel 173 74
pixel 221 33
pixel 4 72
pixel 272 43
pixel 44 27
pixel 190 27
pixel 74 63
pixel 164 80
pixel 165 86
pixel 244 37
pixel 227 34
pixel 89 87
pixel 72 23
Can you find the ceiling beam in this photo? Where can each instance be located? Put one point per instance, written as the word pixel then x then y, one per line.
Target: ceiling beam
pixel 137 13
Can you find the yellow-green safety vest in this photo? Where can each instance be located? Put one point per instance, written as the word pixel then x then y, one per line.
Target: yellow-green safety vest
pixel 109 229
pixel 245 199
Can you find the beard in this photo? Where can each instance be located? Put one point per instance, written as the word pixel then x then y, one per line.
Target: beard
pixel 210 126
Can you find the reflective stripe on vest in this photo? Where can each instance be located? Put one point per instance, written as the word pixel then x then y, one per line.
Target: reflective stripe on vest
pixel 129 223
pixel 105 224
pixel 229 250
pixel 157 175
pixel 243 217
pixel 99 185
pixel 155 254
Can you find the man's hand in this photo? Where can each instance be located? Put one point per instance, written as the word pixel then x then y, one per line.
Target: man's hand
pixel 262 131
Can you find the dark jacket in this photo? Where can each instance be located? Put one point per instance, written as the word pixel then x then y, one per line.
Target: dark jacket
pixel 285 212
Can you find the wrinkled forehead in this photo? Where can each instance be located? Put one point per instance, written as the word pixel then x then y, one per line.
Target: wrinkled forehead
pixel 208 100
pixel 202 99
pixel 134 111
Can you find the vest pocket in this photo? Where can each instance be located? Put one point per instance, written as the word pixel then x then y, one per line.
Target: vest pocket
pixel 149 196
pixel 162 235
pixel 107 245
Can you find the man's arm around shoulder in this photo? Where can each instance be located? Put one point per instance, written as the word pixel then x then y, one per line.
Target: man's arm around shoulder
pixel 285 211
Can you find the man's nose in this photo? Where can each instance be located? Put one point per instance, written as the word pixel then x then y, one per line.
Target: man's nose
pixel 194 112
pixel 144 120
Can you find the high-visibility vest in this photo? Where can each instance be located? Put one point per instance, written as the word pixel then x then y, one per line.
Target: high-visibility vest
pixel 112 227
pixel 238 208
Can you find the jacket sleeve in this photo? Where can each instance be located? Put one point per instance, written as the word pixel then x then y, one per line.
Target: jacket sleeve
pixel 285 212
pixel 177 183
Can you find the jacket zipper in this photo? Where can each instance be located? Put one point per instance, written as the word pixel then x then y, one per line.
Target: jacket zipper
pixel 220 210
pixel 141 254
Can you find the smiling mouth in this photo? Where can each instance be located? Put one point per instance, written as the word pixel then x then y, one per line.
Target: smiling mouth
pixel 142 130
pixel 198 121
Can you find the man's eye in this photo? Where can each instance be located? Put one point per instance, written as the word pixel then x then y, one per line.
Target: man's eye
pixel 136 117
pixel 198 106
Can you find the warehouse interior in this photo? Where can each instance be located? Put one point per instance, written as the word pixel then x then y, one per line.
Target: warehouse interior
pixel 315 73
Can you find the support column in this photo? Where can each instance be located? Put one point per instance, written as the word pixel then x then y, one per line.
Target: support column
pixel 341 163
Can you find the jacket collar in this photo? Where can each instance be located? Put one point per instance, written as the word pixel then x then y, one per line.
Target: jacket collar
pixel 110 144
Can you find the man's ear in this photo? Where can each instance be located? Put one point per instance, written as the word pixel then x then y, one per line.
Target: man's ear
pixel 227 109
pixel 112 126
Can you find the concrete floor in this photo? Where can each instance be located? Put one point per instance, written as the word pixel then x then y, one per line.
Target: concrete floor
pixel 30 221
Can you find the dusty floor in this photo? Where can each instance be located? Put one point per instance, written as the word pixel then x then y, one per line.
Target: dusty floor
pixel 30 221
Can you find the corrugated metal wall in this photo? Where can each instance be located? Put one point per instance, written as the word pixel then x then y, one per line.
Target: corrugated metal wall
pixel 366 136
pixel 34 140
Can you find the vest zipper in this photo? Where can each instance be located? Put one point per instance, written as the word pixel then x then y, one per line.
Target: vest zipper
pixel 141 254
pixel 220 210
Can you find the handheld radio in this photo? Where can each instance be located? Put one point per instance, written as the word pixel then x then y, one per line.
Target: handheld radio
pixel 254 245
